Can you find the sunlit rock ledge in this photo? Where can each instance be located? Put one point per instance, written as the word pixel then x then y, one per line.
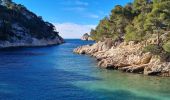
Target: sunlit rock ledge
pixel 31 42
pixel 127 57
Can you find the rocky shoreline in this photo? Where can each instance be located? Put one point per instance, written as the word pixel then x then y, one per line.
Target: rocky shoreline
pixel 126 57
pixel 32 42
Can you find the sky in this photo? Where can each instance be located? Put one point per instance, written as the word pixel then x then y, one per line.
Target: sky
pixel 72 18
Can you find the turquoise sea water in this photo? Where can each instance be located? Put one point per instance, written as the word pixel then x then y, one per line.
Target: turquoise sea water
pixel 55 73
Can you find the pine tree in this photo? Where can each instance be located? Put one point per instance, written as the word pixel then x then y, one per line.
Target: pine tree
pixel 157 19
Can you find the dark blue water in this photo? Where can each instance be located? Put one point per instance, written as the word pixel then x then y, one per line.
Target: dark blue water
pixel 55 73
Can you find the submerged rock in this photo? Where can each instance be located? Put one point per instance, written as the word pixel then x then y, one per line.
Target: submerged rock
pixel 127 57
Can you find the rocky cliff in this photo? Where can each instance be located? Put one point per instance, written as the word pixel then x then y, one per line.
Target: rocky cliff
pixel 21 27
pixel 127 57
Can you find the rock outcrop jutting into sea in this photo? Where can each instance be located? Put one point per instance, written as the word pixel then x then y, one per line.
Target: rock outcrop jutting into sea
pixel 21 27
pixel 127 57
pixel 86 37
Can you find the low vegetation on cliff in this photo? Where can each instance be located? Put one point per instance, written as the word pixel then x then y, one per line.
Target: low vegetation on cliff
pixel 17 23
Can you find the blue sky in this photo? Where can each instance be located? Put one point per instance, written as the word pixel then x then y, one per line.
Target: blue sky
pixel 72 18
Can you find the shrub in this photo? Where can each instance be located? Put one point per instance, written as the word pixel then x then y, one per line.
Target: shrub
pixel 165 56
pixel 132 34
pixel 166 47
pixel 154 49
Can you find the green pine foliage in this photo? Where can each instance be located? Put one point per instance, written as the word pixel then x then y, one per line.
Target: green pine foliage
pixel 141 16
pixel 114 25
pixel 166 47
pixel 137 21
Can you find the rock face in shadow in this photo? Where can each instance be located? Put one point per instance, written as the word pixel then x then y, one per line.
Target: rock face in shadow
pixel 127 57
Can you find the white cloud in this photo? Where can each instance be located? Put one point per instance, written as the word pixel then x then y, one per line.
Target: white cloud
pixel 79 9
pixel 72 30
pixel 80 3
pixel 93 16
pixel 76 5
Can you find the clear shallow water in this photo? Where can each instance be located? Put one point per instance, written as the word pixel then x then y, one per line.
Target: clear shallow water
pixel 55 73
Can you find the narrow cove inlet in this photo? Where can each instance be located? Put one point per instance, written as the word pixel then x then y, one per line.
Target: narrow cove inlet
pixel 84 49
pixel 36 74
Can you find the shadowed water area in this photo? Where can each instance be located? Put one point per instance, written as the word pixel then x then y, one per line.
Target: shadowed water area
pixel 55 73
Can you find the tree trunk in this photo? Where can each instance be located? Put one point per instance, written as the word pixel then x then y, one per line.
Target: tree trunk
pixel 158 38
